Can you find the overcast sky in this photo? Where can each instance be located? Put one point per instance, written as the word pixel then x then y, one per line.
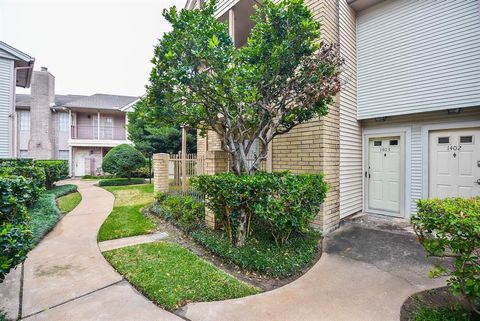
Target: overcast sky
pixel 90 46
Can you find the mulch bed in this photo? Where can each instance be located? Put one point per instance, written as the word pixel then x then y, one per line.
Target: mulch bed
pixel 265 283
pixel 435 298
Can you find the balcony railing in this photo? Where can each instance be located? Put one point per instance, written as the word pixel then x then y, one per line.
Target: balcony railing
pixel 94 132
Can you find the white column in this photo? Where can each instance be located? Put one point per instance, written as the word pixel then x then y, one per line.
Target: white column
pixel 98 124
pixel 126 126
pixel 70 160
pixel 231 24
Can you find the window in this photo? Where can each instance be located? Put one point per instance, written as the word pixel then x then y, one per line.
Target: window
pixel 394 142
pixel 466 139
pixel 377 143
pixel 63 154
pixel 444 140
pixel 24 120
pixel 23 153
pixel 63 122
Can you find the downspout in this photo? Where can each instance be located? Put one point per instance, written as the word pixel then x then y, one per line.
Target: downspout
pixel 13 112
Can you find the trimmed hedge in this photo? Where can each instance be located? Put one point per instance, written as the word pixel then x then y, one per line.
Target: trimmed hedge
pixel 121 181
pixel 35 174
pixel 55 170
pixel 14 162
pixel 287 203
pixel 15 192
pixel 123 160
pixel 15 242
pixel 450 228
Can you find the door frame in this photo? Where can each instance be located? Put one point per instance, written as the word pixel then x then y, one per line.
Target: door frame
pixel 405 170
pixel 426 147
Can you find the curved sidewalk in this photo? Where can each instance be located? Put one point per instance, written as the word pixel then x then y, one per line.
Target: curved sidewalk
pixel 67 278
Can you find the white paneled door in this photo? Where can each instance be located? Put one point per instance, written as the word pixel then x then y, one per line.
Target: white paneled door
pixel 454 163
pixel 383 175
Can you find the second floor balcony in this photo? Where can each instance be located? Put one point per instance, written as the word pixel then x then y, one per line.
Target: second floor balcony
pixel 99 132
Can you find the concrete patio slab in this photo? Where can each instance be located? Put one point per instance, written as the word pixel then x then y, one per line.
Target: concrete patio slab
pixel 133 240
pixel 356 279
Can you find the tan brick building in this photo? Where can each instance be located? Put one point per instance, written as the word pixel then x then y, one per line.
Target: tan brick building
pixel 399 130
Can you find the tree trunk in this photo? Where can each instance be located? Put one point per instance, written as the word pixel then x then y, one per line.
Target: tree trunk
pixel 242 228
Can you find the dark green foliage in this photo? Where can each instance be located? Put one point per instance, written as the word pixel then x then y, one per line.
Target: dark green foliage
pixel 14 162
pixel 15 192
pixel 121 181
pixel 287 203
pixel 282 77
pixel 55 170
pixel 260 254
pixel 444 314
pixel 97 177
pixel 122 161
pixel 34 173
pixel 450 228
pixel 158 138
pixel 44 214
pixel 14 246
pixel 186 212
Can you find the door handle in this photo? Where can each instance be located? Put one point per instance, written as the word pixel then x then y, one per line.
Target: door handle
pixel 477 181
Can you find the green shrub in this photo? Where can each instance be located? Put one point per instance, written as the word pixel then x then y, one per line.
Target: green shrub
pixel 97 176
pixel 123 160
pixel 55 170
pixel 16 162
pixel 121 181
pixel 143 172
pixel 186 212
pixel 35 174
pixel 14 246
pixel 451 228
pixel 287 203
pixel 15 192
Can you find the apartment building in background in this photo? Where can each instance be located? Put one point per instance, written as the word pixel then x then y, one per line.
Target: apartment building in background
pixel 77 128
pixel 406 124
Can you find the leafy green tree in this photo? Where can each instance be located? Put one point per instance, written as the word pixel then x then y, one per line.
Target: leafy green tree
pixel 282 77
pixel 157 137
pixel 122 160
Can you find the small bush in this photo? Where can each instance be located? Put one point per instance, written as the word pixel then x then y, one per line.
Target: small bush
pixel 287 203
pixel 15 242
pixel 123 160
pixel 35 174
pixel 121 181
pixel 55 170
pixel 186 212
pixel 450 228
pixel 97 176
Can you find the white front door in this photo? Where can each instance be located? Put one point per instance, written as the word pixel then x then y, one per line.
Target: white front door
pixel 454 163
pixel 80 157
pixel 383 175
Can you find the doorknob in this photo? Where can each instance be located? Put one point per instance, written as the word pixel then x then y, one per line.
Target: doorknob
pixel 477 181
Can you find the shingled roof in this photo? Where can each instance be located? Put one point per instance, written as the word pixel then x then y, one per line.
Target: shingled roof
pixel 97 101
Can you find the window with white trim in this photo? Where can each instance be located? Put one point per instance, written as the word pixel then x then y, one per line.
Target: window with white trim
pixel 24 120
pixel 63 122
pixel 63 154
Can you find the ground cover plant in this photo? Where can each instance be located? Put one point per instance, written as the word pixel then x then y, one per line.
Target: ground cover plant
pixel 450 229
pixel 425 313
pixel 45 214
pixel 126 219
pixel 171 276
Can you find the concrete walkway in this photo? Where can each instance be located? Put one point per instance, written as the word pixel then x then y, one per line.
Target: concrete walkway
pixel 364 274
pixel 67 278
pixel 129 241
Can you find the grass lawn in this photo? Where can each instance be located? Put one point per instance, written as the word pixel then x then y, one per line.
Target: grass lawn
pixel 172 276
pixel 425 313
pixel 68 202
pixel 126 218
